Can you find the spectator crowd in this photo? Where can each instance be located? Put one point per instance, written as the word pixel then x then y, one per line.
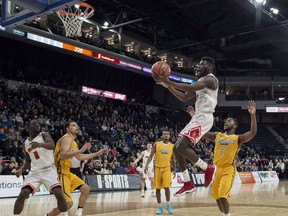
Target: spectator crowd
pixel 124 128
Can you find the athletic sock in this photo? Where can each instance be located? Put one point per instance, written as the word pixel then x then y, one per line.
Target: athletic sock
pixel 186 176
pixel 203 165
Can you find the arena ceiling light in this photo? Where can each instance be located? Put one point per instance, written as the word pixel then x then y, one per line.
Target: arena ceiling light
pixel 263 2
pixel 259 1
pixel 274 10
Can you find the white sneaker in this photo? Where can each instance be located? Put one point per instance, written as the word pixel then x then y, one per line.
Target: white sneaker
pixel 142 194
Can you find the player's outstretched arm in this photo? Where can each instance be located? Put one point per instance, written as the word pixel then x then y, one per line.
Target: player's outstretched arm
pixel 65 146
pixel 246 137
pixel 153 150
pixel 210 136
pixel 209 82
pixel 91 155
pixel 180 95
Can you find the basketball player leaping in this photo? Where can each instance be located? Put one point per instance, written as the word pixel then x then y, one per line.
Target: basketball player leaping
pixel 39 156
pixel 227 145
pixel 163 151
pixel 206 90
pixel 150 173
pixel 66 148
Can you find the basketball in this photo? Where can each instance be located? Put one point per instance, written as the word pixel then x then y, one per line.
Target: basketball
pixel 161 68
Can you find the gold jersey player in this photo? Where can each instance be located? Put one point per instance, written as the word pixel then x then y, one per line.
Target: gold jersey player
pixel 206 92
pixel 66 148
pixel 163 151
pixel 227 145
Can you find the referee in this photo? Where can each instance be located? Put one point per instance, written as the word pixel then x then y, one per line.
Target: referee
pixel 75 167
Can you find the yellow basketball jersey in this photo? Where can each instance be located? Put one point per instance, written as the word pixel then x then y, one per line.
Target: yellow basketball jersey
pixel 226 149
pixel 63 166
pixel 163 154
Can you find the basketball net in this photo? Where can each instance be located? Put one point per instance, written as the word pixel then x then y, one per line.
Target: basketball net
pixel 73 17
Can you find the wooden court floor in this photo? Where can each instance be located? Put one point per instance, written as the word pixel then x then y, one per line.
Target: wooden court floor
pixel 265 199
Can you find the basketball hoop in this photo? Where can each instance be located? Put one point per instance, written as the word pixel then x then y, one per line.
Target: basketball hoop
pixel 73 17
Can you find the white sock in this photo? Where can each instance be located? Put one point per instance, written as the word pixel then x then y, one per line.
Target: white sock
pixel 186 176
pixel 79 211
pixel 160 205
pixel 64 213
pixel 168 202
pixel 203 165
pixel 227 214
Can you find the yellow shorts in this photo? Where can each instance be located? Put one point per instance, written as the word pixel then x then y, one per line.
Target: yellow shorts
pixel 162 177
pixel 69 183
pixel 223 182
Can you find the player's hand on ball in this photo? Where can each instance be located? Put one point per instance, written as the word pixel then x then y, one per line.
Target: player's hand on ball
pixel 155 76
pixel 160 80
pixel 191 111
pixel 35 145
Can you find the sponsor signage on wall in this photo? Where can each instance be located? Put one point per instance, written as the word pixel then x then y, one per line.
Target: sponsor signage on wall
pixel 246 177
pixel 268 176
pixel 113 182
pixel 256 177
pixel 10 185
pixel 103 93
pixel 277 109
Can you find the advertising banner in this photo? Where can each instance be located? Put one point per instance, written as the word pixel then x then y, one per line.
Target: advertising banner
pixel 246 177
pixel 10 185
pixel 237 179
pixel 197 179
pixel 256 177
pixel 268 176
pixel 113 182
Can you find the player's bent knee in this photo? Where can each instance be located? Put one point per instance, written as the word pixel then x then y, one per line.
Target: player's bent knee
pixel 69 205
pixel 25 192
pixel 58 193
pixel 85 189
pixel 223 199
pixel 179 148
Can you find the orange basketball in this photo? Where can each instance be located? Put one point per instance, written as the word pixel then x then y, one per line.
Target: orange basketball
pixel 161 68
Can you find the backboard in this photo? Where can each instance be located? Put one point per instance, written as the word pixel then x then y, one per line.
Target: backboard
pixel 17 12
